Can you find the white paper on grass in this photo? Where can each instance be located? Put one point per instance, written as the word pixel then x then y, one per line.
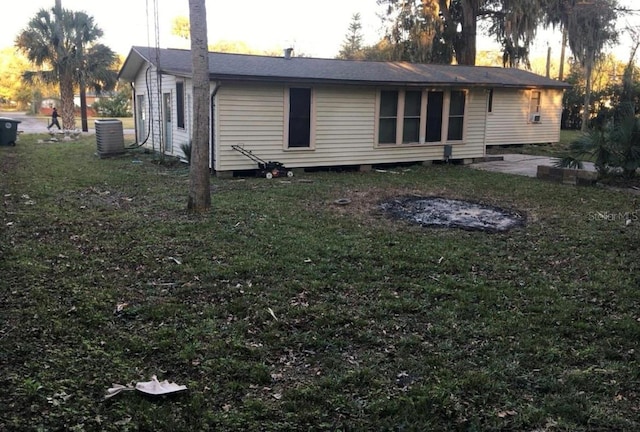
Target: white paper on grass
pixel 153 387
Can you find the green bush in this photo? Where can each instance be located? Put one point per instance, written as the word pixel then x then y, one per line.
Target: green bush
pixel 116 106
pixel 615 146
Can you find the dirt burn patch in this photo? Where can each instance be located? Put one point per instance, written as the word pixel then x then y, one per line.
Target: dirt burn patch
pixel 450 213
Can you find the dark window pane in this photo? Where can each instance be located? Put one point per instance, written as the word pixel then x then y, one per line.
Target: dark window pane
pixel 411 130
pixel 388 117
pixel 457 103
pixel 455 128
pixel 388 103
pixel 412 102
pixel 456 116
pixel 434 116
pixel 299 117
pixel 387 131
pixel 180 103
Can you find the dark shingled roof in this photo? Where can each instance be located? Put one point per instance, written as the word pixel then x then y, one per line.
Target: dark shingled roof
pixel 242 67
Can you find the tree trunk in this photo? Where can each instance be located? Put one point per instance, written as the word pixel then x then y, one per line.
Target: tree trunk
pixel 562 53
pixel 466 40
pixel 587 97
pixel 81 83
pixel 199 176
pixel 67 108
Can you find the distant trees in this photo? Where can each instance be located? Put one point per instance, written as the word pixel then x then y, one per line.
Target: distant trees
pixel 590 26
pixel 437 31
pixel 63 45
pixel 180 27
pixel 351 48
pixel 117 105
pixel 14 91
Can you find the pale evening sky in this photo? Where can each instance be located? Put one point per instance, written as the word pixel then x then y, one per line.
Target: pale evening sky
pixel 315 29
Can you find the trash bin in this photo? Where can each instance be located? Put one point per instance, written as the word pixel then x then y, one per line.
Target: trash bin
pixel 8 131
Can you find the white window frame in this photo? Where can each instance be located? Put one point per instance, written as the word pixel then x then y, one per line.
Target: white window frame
pixel 446 103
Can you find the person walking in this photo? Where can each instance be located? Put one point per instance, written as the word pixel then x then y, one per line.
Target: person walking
pixel 54 119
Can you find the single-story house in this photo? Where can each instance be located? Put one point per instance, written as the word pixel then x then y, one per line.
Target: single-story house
pixel 312 112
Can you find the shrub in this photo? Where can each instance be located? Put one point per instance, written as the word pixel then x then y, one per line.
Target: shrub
pixel 116 106
pixel 186 149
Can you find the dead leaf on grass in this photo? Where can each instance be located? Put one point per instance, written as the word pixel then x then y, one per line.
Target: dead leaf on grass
pixel 120 307
pixel 509 413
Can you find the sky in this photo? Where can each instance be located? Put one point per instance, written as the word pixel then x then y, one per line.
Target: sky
pixel 263 24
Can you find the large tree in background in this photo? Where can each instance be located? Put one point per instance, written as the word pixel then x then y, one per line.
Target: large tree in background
pixel 416 33
pixel 590 26
pixel 63 44
pixel 449 28
pixel 199 177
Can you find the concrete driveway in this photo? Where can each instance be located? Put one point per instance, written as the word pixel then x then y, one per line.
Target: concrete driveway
pixel 518 164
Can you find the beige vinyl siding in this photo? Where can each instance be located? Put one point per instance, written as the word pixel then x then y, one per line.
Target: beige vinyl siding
pixel 344 124
pixel 474 123
pixel 251 116
pixel 509 123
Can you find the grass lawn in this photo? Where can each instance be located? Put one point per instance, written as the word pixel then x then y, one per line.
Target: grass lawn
pixel 281 311
pixel 553 150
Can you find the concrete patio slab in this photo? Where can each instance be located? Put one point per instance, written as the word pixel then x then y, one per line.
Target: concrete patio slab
pixel 518 164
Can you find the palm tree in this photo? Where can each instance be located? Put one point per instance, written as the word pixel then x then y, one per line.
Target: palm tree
pixel 62 44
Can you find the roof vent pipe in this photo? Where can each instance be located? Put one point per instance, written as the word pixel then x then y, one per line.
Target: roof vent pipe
pixel 287 53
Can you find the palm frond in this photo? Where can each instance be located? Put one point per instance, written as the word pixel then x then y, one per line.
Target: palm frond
pixel 568 161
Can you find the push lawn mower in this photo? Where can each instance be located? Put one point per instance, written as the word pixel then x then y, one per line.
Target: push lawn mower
pixel 266 169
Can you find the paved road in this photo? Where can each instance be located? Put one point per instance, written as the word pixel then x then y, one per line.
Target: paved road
pixel 28 124
pixel 33 124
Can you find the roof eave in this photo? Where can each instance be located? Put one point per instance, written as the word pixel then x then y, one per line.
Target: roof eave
pixel 379 83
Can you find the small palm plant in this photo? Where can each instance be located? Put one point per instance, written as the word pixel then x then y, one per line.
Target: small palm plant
pixel 186 149
pixel 592 145
pixel 614 146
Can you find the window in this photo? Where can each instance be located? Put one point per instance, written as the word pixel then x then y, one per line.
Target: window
pixel 456 115
pixel 534 105
pixel 435 104
pixel 420 116
pixel 180 104
pixel 299 135
pixel 388 117
pixel 412 108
